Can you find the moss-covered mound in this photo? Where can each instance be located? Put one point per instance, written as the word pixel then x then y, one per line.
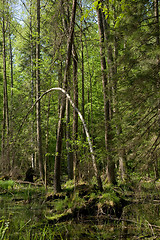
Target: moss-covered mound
pixel 83 201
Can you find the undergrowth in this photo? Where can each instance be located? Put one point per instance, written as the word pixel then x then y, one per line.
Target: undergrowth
pixel 7 185
pixel 4 225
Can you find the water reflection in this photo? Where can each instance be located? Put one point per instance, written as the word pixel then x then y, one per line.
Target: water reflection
pixel 141 221
pixel 25 220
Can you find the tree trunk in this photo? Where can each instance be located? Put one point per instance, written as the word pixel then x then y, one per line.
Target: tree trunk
pixel 68 145
pixel 156 14
pixel 5 128
pixel 68 136
pixel 107 108
pixel 82 69
pixel 47 142
pixel 38 107
pixel 75 114
pixel 11 65
pixel 33 159
pixel 11 108
pixel 57 183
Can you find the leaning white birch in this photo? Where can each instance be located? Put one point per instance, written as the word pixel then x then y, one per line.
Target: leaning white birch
pixel 84 125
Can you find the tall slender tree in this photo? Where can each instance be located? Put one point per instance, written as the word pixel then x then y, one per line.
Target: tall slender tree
pixel 75 114
pixel 107 105
pixel 32 77
pixel 38 92
pixel 156 15
pixel 82 69
pixel 5 128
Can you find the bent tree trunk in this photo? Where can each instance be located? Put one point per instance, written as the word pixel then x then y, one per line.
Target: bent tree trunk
pixel 99 182
pixel 97 175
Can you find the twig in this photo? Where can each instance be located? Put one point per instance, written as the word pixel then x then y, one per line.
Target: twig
pixel 151 227
pixel 131 221
pixel 24 225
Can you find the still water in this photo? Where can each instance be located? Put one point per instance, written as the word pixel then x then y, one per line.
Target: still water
pixel 25 219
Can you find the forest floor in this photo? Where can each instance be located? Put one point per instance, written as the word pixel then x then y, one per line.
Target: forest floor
pixel 86 200
pixel 83 200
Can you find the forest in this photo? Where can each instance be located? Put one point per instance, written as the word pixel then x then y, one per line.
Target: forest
pixel 80 92
pixel 105 55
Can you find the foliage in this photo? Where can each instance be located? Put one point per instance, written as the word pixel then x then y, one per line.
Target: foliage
pixel 61 205
pixel 7 185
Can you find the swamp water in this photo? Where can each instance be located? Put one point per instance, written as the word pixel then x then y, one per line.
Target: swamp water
pixel 25 219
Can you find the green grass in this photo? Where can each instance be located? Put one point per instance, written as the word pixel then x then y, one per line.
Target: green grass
pixel 4 225
pixel 7 185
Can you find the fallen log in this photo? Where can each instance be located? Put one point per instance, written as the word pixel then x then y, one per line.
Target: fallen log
pixel 26 182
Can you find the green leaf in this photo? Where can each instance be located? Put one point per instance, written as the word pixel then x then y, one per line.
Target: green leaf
pixel 95 4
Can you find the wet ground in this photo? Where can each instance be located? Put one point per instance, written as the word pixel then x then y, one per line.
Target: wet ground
pixel 22 216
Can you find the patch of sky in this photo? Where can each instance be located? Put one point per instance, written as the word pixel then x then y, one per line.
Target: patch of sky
pixel 19 11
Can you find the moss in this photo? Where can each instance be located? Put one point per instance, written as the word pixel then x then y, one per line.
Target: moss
pixel 110 198
pixel 69 186
pixel 90 204
pixel 60 205
pixel 60 217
